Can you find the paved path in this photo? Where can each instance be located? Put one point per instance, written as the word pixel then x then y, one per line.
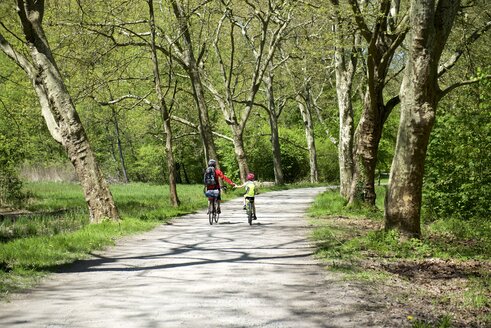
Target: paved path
pixel 191 274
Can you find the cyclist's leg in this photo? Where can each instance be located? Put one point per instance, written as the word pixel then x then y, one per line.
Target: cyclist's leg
pixel 219 198
pixel 211 209
pixel 254 209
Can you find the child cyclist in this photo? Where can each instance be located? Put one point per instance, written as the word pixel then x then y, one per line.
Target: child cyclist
pixel 250 192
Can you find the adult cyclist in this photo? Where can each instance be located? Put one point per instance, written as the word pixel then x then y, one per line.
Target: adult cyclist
pixel 215 184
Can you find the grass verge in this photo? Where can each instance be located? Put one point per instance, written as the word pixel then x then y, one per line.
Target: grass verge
pixel 441 280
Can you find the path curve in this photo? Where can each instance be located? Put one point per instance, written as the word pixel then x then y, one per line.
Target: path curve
pixel 191 274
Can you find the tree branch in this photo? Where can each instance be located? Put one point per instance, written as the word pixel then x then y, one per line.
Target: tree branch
pixel 460 50
pixel 448 89
pixel 362 25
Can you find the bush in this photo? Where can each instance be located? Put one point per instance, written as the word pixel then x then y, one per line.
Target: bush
pixel 150 165
pixel 458 178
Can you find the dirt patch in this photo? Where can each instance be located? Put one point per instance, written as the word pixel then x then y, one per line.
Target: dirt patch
pixel 425 290
pixel 432 289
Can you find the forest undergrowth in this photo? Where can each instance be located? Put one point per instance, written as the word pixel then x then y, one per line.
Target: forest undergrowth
pixel 441 280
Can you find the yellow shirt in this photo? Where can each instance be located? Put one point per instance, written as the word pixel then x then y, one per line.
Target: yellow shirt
pixel 250 188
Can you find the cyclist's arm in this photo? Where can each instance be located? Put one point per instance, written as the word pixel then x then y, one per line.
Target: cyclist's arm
pixel 227 180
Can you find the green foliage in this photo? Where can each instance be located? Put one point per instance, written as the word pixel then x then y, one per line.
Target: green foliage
pixel 228 161
pixel 458 174
pixel 294 158
pixel 260 157
pixel 150 165
pixel 327 160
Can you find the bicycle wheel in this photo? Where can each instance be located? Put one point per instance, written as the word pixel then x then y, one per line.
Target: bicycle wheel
pixel 249 212
pixel 211 210
pixel 217 215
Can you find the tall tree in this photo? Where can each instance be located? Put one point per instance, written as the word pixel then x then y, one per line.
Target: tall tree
pixel 305 105
pixel 431 22
pixel 59 110
pixel 261 27
pixel 164 110
pixel 345 62
pixel 274 110
pixel 188 56
pixel 383 38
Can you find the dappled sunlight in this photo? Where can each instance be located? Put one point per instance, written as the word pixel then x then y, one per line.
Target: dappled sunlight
pixel 190 274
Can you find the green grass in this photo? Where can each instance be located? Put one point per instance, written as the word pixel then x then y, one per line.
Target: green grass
pixel 32 246
pixel 53 196
pixel 353 241
pixel 445 238
pixel 330 203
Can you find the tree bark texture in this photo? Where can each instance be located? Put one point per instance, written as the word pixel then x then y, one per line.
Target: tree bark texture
pixel 369 132
pixel 305 107
pixel 48 78
pixel 382 43
pixel 346 135
pixel 275 136
pixel 419 98
pixel 345 66
pixel 239 149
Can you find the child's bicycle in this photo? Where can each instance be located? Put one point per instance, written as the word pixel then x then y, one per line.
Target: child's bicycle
pixel 250 209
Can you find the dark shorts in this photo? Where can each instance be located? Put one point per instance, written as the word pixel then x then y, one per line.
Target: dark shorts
pixel 251 199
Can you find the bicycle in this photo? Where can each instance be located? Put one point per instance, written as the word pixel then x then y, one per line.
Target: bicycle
pixel 213 213
pixel 250 209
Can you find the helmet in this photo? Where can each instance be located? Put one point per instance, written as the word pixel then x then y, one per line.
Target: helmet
pixel 250 176
pixel 212 162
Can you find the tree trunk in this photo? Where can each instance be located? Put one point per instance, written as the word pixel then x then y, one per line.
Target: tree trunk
pixel 198 91
pixel 240 152
pixel 345 66
pixel 48 78
pixel 120 146
pixel 369 132
pixel 346 134
pixel 344 81
pixel 171 165
pixel 383 40
pixel 305 110
pixel 419 98
pixel 275 138
pixel 275 144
